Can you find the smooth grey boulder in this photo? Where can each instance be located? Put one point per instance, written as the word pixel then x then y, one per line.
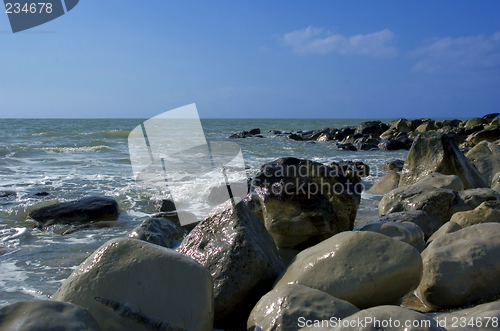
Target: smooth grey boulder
pixel 406 232
pixel 461 267
pixel 235 247
pixel 437 180
pixel 447 227
pixel 435 152
pixel 303 202
pixel 159 231
pixel 470 199
pixel 388 318
pixel 488 211
pixel 358 267
pixel 484 317
pixel 85 210
pixel 386 184
pixel 284 307
pixel 428 223
pixel 129 284
pixel 46 316
pixel 485 156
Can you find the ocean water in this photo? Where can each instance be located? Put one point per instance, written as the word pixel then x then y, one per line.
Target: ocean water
pixel 74 158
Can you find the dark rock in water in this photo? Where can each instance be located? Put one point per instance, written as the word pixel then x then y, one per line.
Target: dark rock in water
pixel 347 147
pixel 165 205
pixel 220 194
pixel 372 127
pixel 366 147
pixel 89 209
pixel 246 134
pixel 275 131
pixel 357 167
pixel 295 136
pixel 189 220
pixel 44 315
pixel 41 194
pixel 394 165
pixel 493 115
pixel 234 246
pixel 4 194
pixel 159 231
pixel 302 202
pixel 346 131
pixel 394 145
pixel 435 152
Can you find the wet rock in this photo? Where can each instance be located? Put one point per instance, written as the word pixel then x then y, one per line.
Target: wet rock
pixel 347 147
pixel 394 165
pixel 386 184
pixel 165 205
pixel 488 211
pixel 474 251
pixel 234 246
pixel 356 168
pixel 394 145
pixel 372 127
pixel 448 227
pixel 285 306
pixel 434 152
pixel 129 284
pixel 438 180
pixel 295 136
pixel 86 210
pixel 304 202
pixel 406 232
pixel 388 318
pixel 220 194
pixel 247 134
pixel 159 231
pixel 189 220
pixel 46 316
pixel 358 267
pixel 486 158
pixel 428 223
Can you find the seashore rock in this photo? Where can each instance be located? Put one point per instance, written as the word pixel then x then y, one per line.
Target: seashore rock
pixel 234 246
pixel 447 227
pixel 490 135
pixel 495 182
pixel 425 221
pixel 165 205
pixel 386 184
pixel 358 267
pixel 129 284
pixel 435 152
pixel 303 202
pixel 372 127
pixel 247 134
pixel 286 306
pixel 351 168
pixel 485 156
pixel 470 199
pixel 394 165
pixel 85 210
pixel 406 232
pixel 438 180
pixel 480 318
pixel 189 220
pixel 220 194
pixel 486 212
pixel 387 318
pixel 159 231
pixel 461 267
pixel 44 315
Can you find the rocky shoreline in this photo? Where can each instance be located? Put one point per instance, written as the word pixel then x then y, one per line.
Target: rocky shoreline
pixel 287 256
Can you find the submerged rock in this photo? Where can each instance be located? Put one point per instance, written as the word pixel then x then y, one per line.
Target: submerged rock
pixel 461 267
pixel 285 306
pixel 89 209
pixel 435 152
pixel 303 202
pixel 129 284
pixel 358 267
pixel 234 246
pixel 159 231
pixel 46 316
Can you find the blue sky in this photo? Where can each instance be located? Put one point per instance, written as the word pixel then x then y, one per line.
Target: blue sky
pixel 256 59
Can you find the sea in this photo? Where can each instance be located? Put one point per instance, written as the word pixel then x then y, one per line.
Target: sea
pixel 45 161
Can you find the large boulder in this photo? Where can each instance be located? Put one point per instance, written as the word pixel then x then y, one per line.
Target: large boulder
pixel 485 156
pixel 488 211
pixel 303 202
pixel 461 267
pixel 406 232
pixel 386 184
pixel 386 318
pixel 438 180
pixel 470 199
pixel 428 223
pixel 372 127
pixel 491 134
pixel 286 306
pixel 234 246
pixel 159 231
pixel 435 152
pixel 447 227
pixel 89 209
pixel 46 316
pixel 129 284
pixel 358 267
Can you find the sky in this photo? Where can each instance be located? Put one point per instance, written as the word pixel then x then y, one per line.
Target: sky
pixel 256 59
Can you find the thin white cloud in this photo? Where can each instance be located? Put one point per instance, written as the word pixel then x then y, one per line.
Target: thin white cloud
pixel 458 54
pixel 313 40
